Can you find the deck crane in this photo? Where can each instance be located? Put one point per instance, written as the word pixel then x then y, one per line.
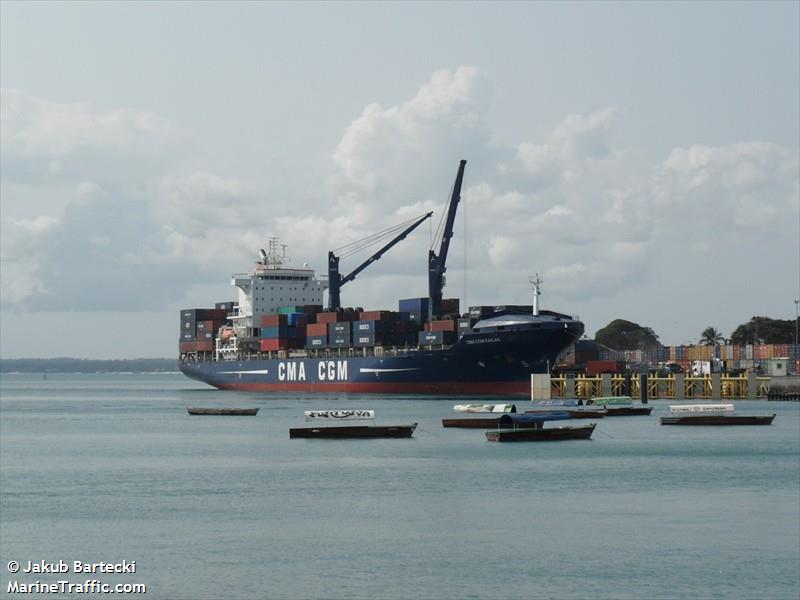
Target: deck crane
pixel 436 263
pixel 335 279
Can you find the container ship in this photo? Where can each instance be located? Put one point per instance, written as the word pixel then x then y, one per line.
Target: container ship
pixel 280 335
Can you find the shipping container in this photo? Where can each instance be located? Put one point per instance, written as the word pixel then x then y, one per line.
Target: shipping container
pixel 435 338
pixel 326 317
pixel 316 342
pixel 416 307
pixel 376 315
pixel 228 307
pixel 364 339
pixel 274 332
pixel 287 310
pixel 597 367
pixel 189 336
pixel 272 344
pixel 451 306
pixel 296 319
pixel 340 340
pixel 273 321
pixel 317 330
pixel 339 328
pixel 442 325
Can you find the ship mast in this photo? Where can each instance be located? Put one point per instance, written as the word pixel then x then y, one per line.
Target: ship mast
pixel 536 282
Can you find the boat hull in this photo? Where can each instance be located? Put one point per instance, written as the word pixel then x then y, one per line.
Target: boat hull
pixel 718 420
pixel 354 431
pixel 228 412
pixel 541 434
pixel 627 411
pixel 480 364
pixel 476 423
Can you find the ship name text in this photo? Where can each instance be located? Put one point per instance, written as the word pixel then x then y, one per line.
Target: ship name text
pixel 327 370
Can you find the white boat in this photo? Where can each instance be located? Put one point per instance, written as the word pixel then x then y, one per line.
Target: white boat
pixel 339 415
pixel 485 408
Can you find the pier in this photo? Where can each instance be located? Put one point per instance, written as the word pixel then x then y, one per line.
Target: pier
pixel 672 387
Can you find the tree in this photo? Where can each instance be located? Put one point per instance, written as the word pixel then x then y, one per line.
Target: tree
pixel 763 330
pixel 626 335
pixel 711 337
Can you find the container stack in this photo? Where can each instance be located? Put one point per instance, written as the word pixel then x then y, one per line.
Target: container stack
pixel 384 328
pixel 199 327
pixel 285 330
pixel 417 309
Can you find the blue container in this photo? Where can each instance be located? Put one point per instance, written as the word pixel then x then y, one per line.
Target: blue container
pixel 297 318
pixel 342 328
pixel 414 304
pixel 275 332
pixel 339 341
pixel 316 341
pixel 364 339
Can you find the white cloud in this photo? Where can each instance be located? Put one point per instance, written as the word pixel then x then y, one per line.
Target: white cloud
pixel 596 221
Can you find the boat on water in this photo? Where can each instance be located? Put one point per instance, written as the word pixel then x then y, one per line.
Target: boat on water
pixel 354 431
pixel 620 406
pixel 711 414
pixel 485 408
pixel 574 406
pixel 530 428
pixel 228 412
pixel 278 337
pixel 471 422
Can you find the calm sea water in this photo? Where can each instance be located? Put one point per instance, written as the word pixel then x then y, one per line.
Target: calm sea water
pixel 110 467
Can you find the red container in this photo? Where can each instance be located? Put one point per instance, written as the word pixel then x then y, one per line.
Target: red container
pixel 205 346
pixel 326 317
pixel 375 315
pixel 450 306
pixel 596 367
pixel 272 320
pixel 443 325
pixel 188 346
pixel 315 329
pixel 272 344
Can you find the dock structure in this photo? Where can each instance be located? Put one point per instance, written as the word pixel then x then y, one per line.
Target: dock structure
pixel 678 386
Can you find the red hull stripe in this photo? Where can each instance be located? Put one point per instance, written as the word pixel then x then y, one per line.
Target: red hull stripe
pixel 500 388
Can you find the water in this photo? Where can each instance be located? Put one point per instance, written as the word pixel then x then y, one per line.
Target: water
pixel 110 467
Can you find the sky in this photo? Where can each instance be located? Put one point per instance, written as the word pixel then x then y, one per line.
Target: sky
pixel 642 158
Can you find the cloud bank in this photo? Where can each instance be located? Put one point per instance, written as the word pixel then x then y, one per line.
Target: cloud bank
pixel 114 210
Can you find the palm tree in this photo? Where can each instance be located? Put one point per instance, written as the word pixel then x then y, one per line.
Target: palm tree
pixel 711 337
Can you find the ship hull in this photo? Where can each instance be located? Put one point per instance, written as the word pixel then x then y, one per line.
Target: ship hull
pixel 496 363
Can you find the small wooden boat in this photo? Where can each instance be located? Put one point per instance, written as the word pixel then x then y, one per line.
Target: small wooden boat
pixel 530 428
pixel 354 431
pixel 711 414
pixel 234 412
pixel 620 406
pixel 477 423
pixel 574 406
pixel 541 434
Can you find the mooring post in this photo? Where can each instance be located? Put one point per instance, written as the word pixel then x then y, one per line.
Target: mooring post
pixel 569 386
pixel 643 386
pixel 606 384
pixel 716 386
pixel 680 386
pixel 752 386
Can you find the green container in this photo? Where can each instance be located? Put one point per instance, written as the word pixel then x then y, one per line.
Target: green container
pixel 287 310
